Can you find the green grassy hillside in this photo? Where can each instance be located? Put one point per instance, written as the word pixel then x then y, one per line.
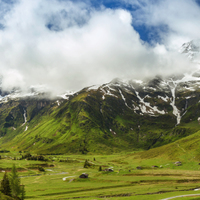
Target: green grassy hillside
pixel 185 150
pixel 93 121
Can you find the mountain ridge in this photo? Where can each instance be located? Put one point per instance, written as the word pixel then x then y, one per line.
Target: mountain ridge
pixel 113 117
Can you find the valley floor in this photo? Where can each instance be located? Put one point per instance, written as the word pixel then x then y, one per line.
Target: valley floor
pixel 132 178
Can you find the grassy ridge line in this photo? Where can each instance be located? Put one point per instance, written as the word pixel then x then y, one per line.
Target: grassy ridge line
pixel 188 147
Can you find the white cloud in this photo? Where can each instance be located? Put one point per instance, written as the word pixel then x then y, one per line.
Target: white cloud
pixel 92 47
pixel 12 78
pixel 181 18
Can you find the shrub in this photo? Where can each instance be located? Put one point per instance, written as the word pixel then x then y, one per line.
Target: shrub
pixel 41 169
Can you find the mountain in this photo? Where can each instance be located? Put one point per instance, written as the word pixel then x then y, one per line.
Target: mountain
pixel 113 117
pixel 191 50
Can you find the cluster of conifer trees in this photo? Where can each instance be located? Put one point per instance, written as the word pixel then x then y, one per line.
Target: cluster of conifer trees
pixel 10 185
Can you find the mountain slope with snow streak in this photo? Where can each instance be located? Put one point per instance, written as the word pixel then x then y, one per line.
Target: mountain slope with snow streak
pixel 118 116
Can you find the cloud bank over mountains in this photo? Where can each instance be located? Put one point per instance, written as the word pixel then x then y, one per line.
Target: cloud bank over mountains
pixel 69 45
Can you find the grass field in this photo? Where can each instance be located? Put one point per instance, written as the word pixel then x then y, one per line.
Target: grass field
pixel 61 179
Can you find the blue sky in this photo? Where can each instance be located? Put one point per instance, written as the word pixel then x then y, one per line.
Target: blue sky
pixel 148 32
pixel 73 44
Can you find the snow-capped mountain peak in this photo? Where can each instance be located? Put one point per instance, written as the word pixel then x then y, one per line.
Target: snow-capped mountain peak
pixel 192 50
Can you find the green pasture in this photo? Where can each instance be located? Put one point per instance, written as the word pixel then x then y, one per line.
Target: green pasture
pixel 61 179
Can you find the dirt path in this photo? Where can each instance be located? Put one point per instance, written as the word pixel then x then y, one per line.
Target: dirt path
pixel 181 148
pixel 186 195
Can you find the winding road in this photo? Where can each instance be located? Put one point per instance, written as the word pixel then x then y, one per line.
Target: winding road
pixel 186 195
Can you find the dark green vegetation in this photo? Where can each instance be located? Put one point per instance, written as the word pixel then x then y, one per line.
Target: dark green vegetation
pixel 111 119
pixel 5 185
pixel 10 186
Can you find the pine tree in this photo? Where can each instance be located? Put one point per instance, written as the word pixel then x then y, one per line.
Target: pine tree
pixel 5 185
pixel 85 164
pixel 16 189
pixel 100 168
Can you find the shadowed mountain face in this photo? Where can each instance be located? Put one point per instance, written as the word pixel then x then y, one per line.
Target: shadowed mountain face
pixel 117 116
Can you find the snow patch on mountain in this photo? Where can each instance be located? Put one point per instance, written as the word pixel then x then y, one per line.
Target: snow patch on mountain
pixel 94 87
pixel 58 102
pixel 138 81
pixel 172 85
pixel 124 99
pixel 67 94
pixel 25 120
pixel 26 128
pixel 191 50
pixel 106 90
pixel 146 108
pixel 166 98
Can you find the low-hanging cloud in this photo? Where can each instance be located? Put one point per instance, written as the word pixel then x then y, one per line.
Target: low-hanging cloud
pixel 68 46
